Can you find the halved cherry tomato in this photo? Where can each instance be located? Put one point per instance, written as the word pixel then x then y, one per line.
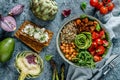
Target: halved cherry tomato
pixel 99 41
pixel 97 58
pixel 110 6
pixel 94 3
pixel 95 35
pixel 91 48
pixel 102 34
pixel 106 1
pixel 94 44
pixel 100 4
pixel 100 50
pixel 105 43
pixel 92 52
pixel 103 10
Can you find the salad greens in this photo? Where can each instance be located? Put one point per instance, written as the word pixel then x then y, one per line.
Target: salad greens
pixel 84 58
pixel 98 28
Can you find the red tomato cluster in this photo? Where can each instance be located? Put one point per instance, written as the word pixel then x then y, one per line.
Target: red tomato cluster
pixel 99 44
pixel 104 6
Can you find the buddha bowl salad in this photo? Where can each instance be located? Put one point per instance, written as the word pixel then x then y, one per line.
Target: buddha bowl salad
pixel 84 42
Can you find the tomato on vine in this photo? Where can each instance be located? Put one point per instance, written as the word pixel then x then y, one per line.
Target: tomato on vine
pixel 94 3
pixel 110 6
pixel 103 10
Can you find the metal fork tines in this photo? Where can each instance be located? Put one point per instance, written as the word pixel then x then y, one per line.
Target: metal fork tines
pixel 115 62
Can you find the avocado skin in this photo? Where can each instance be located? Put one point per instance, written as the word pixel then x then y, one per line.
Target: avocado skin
pixel 6 49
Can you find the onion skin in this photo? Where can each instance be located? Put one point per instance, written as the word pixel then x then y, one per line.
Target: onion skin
pixel 16 10
pixel 8 23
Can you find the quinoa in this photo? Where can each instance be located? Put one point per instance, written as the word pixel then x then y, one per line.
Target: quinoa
pixel 68 33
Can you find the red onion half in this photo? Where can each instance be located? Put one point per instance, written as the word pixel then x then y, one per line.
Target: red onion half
pixel 8 23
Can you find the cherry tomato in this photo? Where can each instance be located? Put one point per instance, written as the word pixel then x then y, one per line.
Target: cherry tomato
pixel 97 58
pixel 106 1
pixel 94 44
pixel 95 35
pixel 92 52
pixel 100 4
pixel 103 10
pixel 91 48
pixel 100 50
pixel 102 34
pixel 105 43
pixel 110 6
pixel 99 41
pixel 94 3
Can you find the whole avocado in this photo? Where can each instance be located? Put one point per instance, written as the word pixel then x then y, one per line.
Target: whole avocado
pixel 6 49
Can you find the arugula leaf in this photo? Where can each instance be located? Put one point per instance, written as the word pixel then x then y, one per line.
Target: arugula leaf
pixel 48 57
pixel 98 28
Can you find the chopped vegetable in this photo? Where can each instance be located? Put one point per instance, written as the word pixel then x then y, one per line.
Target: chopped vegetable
pixel 29 64
pixel 98 28
pixel 83 40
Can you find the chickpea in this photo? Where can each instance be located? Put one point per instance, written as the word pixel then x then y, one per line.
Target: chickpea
pixel 70 58
pixel 67 56
pixel 62 47
pixel 63 44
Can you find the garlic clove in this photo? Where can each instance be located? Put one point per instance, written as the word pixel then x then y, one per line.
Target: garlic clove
pixel 16 10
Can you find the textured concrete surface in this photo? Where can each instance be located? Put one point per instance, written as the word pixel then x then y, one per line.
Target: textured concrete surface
pixel 8 71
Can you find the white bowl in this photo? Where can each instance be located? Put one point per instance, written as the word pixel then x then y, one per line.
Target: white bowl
pixel 73 18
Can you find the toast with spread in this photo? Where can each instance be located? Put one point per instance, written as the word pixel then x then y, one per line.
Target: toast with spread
pixel 34 36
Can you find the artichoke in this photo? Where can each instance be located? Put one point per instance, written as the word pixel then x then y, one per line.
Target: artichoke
pixel 29 64
pixel 44 9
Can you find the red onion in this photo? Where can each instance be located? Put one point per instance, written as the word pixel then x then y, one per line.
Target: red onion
pixel 16 10
pixel 8 23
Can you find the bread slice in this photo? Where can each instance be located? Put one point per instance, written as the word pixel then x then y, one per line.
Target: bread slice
pixel 29 40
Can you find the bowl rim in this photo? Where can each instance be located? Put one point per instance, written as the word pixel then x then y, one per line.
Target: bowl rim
pixel 73 18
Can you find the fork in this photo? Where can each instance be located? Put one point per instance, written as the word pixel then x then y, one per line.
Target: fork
pixel 110 66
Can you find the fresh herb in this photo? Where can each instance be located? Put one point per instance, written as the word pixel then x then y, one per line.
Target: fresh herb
pixel 48 57
pixel 98 28
pixel 83 6
pixel 84 58
pixel 83 16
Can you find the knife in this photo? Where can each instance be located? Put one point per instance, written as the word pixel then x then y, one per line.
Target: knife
pixel 105 65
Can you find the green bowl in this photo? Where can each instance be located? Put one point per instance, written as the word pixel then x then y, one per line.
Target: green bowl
pixel 73 18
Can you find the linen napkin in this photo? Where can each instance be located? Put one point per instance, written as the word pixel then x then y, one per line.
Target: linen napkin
pixel 112 23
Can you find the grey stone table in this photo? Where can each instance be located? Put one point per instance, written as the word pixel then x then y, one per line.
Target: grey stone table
pixel 8 71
